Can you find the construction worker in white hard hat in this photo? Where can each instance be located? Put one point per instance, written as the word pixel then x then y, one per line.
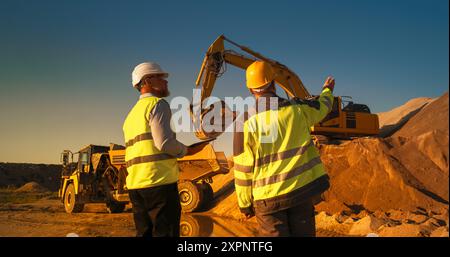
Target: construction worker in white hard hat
pixel 278 181
pixel 151 155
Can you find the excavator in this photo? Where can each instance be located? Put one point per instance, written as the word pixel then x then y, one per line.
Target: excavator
pixel 343 122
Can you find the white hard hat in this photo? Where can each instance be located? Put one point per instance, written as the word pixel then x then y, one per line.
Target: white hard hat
pixel 145 68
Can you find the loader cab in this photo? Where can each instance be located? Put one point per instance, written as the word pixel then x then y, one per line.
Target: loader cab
pixel 68 165
pixel 66 158
pixel 83 162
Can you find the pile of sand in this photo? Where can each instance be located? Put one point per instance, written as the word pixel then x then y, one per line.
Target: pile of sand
pixel 31 187
pixel 374 175
pixel 393 120
pixel 395 115
pixel 432 117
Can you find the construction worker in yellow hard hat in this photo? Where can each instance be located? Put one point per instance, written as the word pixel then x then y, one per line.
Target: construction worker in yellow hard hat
pixel 151 155
pixel 278 179
pixel 259 74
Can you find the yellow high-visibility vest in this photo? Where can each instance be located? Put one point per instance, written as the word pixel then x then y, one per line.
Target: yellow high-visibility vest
pixel 146 165
pixel 270 169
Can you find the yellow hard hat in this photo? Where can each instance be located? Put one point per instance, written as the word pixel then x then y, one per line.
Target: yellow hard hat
pixel 259 74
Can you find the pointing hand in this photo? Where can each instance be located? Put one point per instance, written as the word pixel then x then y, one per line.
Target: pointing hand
pixel 329 83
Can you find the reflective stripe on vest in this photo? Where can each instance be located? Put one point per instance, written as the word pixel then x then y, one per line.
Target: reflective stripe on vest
pixel 146 165
pixel 145 136
pixel 278 177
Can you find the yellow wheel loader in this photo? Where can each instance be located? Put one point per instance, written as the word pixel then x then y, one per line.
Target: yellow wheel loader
pixel 99 176
pixel 93 178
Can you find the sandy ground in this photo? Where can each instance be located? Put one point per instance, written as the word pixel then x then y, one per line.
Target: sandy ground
pixel 47 218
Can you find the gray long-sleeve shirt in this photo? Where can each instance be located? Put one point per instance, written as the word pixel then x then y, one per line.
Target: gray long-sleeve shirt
pixel 163 135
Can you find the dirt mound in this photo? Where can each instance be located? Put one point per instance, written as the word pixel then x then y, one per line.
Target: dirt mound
pixel 393 120
pixel 426 158
pixel 395 115
pixel 373 174
pixel 432 117
pixel 225 201
pixel 31 187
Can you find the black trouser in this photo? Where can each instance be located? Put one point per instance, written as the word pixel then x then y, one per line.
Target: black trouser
pixel 295 221
pixel 156 211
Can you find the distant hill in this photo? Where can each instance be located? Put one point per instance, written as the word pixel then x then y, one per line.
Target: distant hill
pixel 18 174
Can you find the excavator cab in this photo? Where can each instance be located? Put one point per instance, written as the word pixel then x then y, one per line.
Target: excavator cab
pixel 350 106
pixel 335 111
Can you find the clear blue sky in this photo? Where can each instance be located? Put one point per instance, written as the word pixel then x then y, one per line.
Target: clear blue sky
pixel 65 65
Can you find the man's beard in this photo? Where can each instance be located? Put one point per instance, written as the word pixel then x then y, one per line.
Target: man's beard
pixel 161 93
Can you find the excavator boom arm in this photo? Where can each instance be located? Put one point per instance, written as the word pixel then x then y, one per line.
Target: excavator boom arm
pixel 340 123
pixel 216 56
